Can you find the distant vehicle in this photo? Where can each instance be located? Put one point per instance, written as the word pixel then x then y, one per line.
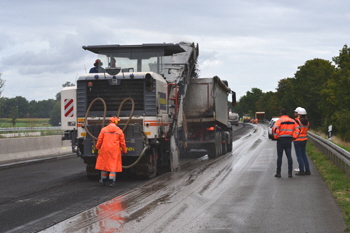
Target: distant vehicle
pixel 246 118
pixel 233 118
pixel 259 117
pixel 271 124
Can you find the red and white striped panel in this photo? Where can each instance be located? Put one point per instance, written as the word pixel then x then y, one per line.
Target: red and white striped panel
pixel 68 108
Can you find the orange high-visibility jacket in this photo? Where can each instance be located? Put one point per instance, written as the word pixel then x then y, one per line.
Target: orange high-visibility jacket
pixel 303 130
pixel 110 140
pixel 285 127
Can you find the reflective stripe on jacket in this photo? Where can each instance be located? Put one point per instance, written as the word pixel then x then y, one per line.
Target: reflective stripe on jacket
pixel 303 130
pixel 285 127
pixel 110 142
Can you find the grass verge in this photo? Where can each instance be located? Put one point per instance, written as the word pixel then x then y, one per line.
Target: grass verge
pixel 336 180
pixel 25 122
pixel 335 140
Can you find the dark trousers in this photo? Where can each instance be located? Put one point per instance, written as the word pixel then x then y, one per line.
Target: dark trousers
pixel 284 144
pixel 300 151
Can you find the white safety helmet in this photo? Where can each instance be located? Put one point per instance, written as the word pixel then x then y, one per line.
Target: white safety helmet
pixel 302 111
pixel 297 109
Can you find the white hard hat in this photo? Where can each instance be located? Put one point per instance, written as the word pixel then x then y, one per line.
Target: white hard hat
pixel 297 109
pixel 302 111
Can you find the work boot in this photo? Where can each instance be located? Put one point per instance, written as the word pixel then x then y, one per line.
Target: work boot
pixel 307 173
pixel 300 173
pixel 290 175
pixel 103 181
pixel 278 175
pixel 111 183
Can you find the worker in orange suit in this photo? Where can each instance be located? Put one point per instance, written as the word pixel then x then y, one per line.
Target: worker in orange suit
pixel 111 144
pixel 296 118
pixel 300 143
pixel 285 131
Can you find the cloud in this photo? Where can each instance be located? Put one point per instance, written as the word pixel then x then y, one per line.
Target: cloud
pixel 249 43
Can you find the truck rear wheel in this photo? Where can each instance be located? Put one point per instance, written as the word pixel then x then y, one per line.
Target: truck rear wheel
pixel 229 145
pixel 219 143
pixel 212 151
pixel 224 147
pixel 215 149
pixel 229 141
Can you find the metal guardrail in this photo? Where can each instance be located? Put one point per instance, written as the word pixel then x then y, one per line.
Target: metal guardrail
pixel 30 128
pixel 339 156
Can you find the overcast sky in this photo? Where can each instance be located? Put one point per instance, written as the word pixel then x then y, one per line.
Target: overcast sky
pixel 249 43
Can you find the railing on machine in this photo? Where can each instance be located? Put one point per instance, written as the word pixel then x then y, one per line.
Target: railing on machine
pixel 339 156
pixel 174 98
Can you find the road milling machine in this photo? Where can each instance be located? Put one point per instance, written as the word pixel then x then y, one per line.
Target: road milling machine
pixel 145 86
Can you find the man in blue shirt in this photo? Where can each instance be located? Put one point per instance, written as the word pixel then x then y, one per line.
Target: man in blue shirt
pixel 97 67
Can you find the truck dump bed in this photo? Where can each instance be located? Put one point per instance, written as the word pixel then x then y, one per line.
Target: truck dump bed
pixel 206 100
pixel 260 117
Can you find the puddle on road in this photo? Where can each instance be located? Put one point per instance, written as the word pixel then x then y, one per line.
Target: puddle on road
pixel 255 145
pixel 110 216
pixel 142 213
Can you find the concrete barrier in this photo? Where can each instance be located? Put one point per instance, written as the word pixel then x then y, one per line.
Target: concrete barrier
pixel 18 149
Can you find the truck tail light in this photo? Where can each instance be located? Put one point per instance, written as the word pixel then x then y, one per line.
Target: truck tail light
pixel 90 84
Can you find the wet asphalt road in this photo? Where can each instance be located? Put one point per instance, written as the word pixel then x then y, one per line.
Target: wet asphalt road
pixel 236 192
pixel 36 196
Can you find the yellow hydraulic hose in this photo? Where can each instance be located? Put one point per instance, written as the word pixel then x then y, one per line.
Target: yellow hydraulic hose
pixel 131 113
pixel 87 114
pixel 127 124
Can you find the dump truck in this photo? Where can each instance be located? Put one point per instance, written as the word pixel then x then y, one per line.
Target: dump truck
pixel 206 110
pixel 260 117
pixel 147 90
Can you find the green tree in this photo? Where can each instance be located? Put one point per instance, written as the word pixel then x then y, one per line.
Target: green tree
pixel 343 60
pixel 2 84
pixel 341 78
pixel 247 103
pixel 18 102
pixel 14 115
pixel 341 119
pixel 284 95
pixel 307 87
pixel 58 96
pixel 336 95
pixel 32 109
pixel 257 101
pixel 268 103
pixel 55 114
pixel 2 107
pixel 42 108
pixel 68 84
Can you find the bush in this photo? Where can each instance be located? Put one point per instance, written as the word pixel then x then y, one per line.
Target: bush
pixel 341 124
